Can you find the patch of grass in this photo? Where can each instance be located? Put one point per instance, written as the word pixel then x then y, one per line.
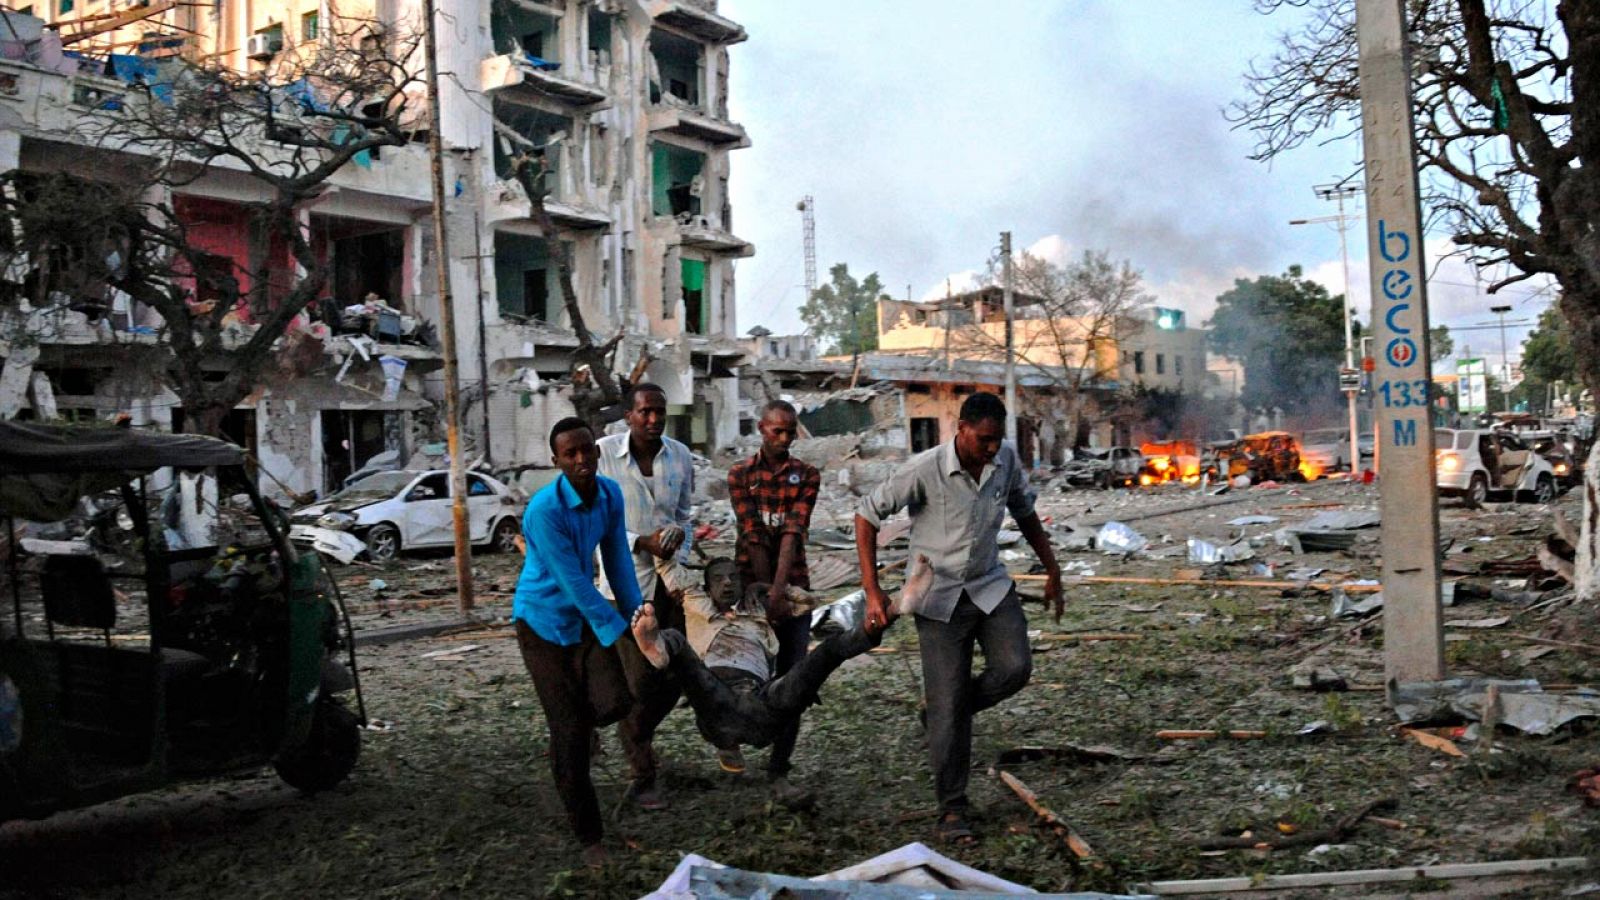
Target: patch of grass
pixel 1341 714
pixel 1482 655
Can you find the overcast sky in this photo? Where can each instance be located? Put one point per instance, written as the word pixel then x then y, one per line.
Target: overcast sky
pixel 923 128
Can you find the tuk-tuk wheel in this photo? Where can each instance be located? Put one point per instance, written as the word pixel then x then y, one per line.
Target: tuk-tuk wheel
pixel 330 750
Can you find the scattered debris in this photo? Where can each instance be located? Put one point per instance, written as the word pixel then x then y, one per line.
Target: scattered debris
pixel 451 654
pixel 1115 537
pixel 1074 841
pixel 1207 734
pixel 1093 755
pixel 1209 553
pixel 1433 741
pixel 1345 608
pixel 1252 520
pixel 1331 835
pixel 1308 676
pixel 1494 622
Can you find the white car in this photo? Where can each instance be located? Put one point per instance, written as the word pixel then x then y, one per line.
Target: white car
pixel 409 510
pixel 1327 448
pixel 1472 464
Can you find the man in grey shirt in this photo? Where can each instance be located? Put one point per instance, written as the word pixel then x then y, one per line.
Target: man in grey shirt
pixel 957 494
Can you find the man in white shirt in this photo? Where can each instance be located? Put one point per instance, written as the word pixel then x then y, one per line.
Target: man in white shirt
pixel 656 474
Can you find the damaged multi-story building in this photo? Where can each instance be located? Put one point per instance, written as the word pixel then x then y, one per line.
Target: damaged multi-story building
pixel 627 102
pixel 1074 374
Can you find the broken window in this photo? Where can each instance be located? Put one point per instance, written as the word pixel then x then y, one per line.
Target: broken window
pixel 309 26
pixel 1138 362
pixel 696 309
pixel 517 29
pixel 1161 364
pixel 1177 366
pixel 924 433
pixel 365 258
pixel 676 180
pixel 679 69
pixel 350 438
pixel 545 130
pixel 527 281
pixel 599 38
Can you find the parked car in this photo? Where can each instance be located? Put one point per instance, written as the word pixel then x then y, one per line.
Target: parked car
pixel 1164 461
pixel 1327 449
pixel 1475 463
pixel 409 510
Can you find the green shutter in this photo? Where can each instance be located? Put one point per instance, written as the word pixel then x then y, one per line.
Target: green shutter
pixel 694 275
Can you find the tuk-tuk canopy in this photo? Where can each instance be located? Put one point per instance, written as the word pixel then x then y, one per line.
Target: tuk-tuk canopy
pixel 31 448
pixel 44 469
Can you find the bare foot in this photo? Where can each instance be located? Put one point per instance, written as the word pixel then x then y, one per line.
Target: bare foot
pixel 647 633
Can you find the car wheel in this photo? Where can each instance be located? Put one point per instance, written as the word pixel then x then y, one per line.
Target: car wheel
pixel 383 543
pixel 330 750
pixel 504 539
pixel 1544 490
pixel 1477 491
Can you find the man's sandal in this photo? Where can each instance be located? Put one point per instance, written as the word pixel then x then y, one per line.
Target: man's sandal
pixel 952 830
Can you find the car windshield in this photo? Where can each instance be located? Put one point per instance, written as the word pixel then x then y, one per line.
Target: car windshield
pixel 378 484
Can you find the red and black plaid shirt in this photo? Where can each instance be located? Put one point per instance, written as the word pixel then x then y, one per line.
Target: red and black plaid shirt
pixel 770 502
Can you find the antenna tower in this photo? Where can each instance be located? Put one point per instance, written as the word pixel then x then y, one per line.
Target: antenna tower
pixel 808 220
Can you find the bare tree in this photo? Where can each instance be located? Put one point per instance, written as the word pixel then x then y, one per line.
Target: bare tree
pixel 1070 320
pixel 1507 103
pixel 288 129
pixel 596 391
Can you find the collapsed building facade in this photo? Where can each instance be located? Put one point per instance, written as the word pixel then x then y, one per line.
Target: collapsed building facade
pixel 1073 374
pixel 628 103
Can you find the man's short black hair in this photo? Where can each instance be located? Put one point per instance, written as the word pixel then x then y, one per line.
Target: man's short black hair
pixel 779 406
pixel 643 387
pixel 570 423
pixel 982 406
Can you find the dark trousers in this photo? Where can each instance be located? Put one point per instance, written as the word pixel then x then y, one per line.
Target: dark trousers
pixel 794 637
pixel 954 696
pixel 655 692
pixel 580 687
pixel 741 710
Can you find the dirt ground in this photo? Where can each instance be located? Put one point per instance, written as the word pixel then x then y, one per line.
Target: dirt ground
pixel 453 796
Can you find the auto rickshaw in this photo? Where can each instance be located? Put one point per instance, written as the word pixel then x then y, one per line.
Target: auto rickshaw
pixel 132 661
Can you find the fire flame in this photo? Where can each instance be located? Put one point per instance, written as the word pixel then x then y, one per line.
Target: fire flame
pixel 1309 470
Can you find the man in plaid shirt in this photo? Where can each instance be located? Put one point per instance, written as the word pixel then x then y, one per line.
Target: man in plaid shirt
pixel 773 495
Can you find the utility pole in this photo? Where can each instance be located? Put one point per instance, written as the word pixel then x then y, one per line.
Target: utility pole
pixel 1505 359
pixel 1339 192
pixel 447 323
pixel 1011 346
pixel 1413 634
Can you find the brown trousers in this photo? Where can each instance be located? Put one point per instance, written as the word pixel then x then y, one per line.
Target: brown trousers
pixel 655 694
pixel 581 687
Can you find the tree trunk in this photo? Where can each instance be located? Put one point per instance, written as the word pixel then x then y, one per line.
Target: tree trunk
pixel 1588 562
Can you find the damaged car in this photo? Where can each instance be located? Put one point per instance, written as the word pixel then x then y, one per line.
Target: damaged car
pixel 1474 463
pixel 388 512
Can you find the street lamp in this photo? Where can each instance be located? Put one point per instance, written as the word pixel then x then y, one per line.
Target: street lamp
pixel 1505 359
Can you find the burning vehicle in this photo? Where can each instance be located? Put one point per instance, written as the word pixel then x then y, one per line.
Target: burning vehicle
pixel 1166 461
pixel 1267 456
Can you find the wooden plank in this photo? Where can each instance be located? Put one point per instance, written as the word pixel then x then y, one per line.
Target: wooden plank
pixel 1364 876
pixel 128 17
pixel 1074 841
pixel 1212 582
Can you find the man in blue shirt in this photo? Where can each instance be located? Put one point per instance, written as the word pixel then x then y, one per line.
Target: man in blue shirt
pixel 566 629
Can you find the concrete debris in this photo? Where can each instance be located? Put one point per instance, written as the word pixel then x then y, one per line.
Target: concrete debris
pixel 1345 608
pixel 1252 520
pixel 1115 537
pixel 1494 622
pixel 1208 553
pixel 1422 701
pixel 1533 713
pixel 1312 676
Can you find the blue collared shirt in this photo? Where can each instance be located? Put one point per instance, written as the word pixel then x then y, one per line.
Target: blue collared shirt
pixel 556 594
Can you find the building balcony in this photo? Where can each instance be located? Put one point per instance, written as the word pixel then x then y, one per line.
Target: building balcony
pixel 514 74
pixel 692 122
pixel 699 232
pixel 510 201
pixel 695 19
